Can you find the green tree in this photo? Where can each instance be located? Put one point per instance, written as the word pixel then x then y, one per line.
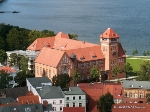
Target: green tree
pixel 73 36
pixel 77 76
pixel 134 52
pixel 21 78
pixel 4 79
pixel 144 72
pixel 144 53
pixel 127 68
pixel 125 51
pixel 3 56
pixel 62 80
pixel 24 63
pixel 105 102
pixel 95 73
pixel 116 70
pixel 2 43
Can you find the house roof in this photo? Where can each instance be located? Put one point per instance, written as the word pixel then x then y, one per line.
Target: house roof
pixel 67 44
pixel 38 81
pixel 7 69
pixel 15 92
pixel 109 33
pixel 50 92
pixel 6 100
pixel 74 91
pixel 86 54
pixel 39 43
pixel 136 84
pixel 21 108
pixel 49 56
pixel 28 99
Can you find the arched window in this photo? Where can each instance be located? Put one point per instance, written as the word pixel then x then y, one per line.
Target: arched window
pixel 130 95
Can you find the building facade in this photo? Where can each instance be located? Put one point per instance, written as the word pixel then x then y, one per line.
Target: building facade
pixel 81 55
pixel 135 91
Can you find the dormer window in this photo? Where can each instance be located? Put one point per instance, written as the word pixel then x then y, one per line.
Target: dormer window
pixel 140 86
pixel 131 85
pixel 113 39
pixel 104 39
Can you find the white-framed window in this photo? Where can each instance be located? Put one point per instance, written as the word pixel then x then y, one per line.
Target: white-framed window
pixel 67 98
pixel 54 101
pixel 80 104
pixel 60 101
pixel 79 97
pixel 135 95
pixel 67 104
pixel 73 104
pixel 60 108
pixel 73 97
pixel 54 108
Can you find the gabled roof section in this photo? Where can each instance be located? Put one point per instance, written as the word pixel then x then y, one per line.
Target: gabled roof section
pixel 136 84
pixel 49 56
pixel 121 52
pixel 67 44
pixel 39 43
pixel 109 33
pixel 7 69
pixel 50 92
pixel 39 81
pixel 87 54
pixel 61 35
pixel 74 91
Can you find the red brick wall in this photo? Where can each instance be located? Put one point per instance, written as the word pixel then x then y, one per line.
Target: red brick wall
pixel 74 109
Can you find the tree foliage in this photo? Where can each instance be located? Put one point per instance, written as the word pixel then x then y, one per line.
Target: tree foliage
pixel 127 68
pixel 134 52
pixel 105 102
pixel 73 36
pixel 62 80
pixel 77 76
pixel 21 78
pixel 3 56
pixel 144 73
pixel 95 73
pixel 116 70
pixel 5 78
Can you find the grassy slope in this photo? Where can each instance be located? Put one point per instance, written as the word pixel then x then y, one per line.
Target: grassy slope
pixel 135 63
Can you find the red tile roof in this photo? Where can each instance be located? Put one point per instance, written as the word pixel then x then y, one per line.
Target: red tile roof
pixel 67 44
pixel 39 43
pixel 49 56
pixel 87 54
pixel 7 69
pixel 28 99
pixel 109 33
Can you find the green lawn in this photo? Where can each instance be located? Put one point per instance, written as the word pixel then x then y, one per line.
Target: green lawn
pixel 135 63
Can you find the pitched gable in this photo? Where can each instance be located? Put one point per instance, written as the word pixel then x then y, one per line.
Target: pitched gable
pixel 109 33
pixel 49 56
pixel 39 43
pixel 87 54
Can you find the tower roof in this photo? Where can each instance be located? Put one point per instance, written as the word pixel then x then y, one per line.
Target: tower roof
pixel 109 33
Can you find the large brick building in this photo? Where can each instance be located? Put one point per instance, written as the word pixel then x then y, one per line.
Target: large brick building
pixel 59 54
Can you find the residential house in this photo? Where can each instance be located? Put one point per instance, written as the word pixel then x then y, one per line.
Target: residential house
pixel 13 92
pixel 29 54
pixel 47 93
pixel 11 73
pixel 95 90
pixel 59 54
pixel 75 97
pixel 135 91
